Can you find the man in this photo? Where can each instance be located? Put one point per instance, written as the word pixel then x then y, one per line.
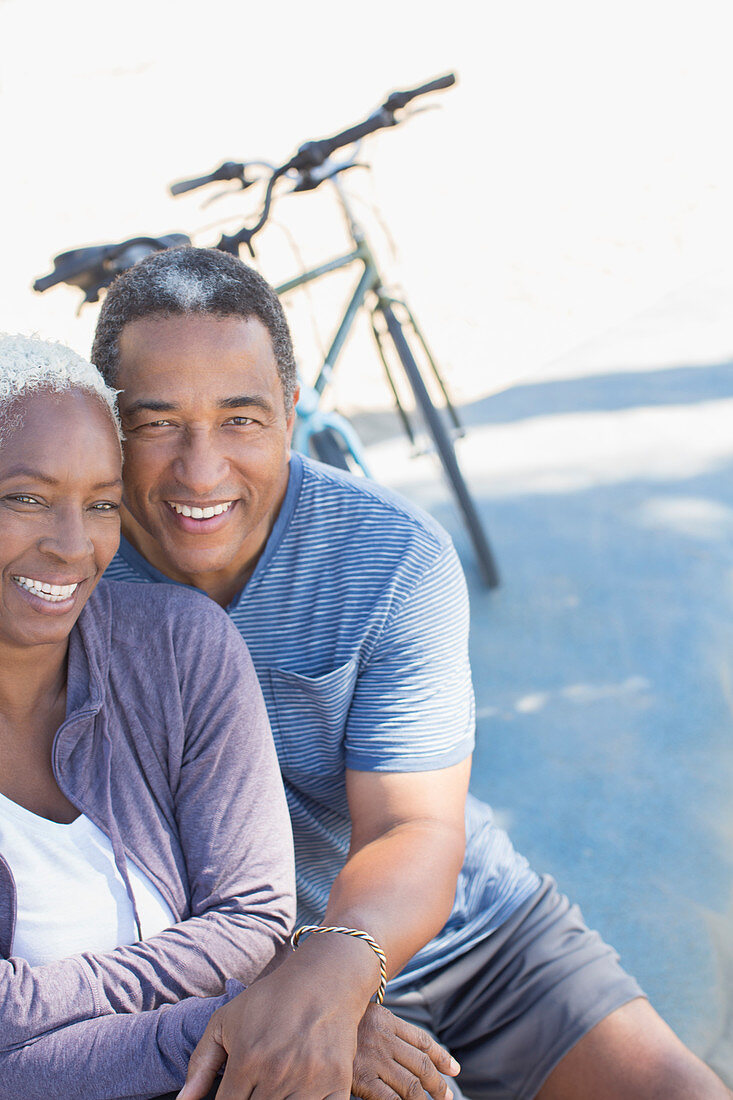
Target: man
pixel 354 609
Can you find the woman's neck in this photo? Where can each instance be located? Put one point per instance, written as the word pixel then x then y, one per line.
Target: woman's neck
pixel 32 707
pixel 32 680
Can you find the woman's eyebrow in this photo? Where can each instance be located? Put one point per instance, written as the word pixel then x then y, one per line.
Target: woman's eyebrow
pixel 115 483
pixel 38 475
pixel 28 471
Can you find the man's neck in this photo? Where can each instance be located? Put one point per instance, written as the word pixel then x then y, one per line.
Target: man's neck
pixel 221 585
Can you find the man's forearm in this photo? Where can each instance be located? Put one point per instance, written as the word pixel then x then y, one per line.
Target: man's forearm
pixel 398 885
pixel 400 889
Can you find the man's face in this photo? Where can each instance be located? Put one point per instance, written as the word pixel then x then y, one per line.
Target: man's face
pixel 207 445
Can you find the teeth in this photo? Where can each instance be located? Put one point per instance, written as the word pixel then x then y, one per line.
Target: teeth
pixel 200 513
pixel 53 593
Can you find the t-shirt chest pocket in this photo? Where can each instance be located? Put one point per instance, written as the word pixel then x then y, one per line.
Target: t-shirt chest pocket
pixel 308 717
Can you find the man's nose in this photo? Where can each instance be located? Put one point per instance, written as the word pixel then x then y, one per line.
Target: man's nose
pixel 200 466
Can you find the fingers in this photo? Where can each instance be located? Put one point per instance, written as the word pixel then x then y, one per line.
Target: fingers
pixel 413 1073
pixel 418 1039
pixel 203 1066
pixel 398 1083
pixel 395 1058
pixel 374 1090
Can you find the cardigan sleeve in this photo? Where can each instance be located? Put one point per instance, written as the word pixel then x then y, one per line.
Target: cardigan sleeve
pixel 232 820
pixel 128 1057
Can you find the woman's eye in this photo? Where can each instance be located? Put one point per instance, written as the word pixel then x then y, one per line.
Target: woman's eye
pixel 23 498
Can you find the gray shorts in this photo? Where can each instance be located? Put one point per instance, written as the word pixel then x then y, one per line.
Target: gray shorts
pixel 510 1008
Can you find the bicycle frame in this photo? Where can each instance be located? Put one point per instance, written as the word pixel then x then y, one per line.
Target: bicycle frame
pixel 311 418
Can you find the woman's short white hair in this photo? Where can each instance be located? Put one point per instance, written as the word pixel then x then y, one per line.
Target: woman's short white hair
pixel 29 364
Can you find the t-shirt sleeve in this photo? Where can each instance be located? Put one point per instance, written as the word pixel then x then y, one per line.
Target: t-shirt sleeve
pixel 413 706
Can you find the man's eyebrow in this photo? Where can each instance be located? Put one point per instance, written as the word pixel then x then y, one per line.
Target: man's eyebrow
pixel 149 405
pixel 244 400
pixel 240 401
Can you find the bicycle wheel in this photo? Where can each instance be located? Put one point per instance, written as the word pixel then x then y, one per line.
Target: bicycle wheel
pixel 326 447
pixel 444 447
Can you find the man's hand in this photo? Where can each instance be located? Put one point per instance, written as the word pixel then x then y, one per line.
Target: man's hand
pixel 283 1046
pixel 291 1032
pixel 396 1057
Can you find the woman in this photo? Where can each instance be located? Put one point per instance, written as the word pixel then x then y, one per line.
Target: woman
pixel 145 850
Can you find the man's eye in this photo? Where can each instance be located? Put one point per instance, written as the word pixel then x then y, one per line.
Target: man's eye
pixel 23 498
pixel 106 506
pixel 238 421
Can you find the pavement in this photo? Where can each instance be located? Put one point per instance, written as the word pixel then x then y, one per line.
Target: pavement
pixel 603 664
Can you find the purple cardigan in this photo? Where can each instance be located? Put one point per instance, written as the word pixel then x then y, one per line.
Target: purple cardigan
pixel 167 748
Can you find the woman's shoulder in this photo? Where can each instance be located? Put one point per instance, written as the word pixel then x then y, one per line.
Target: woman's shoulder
pixel 143 610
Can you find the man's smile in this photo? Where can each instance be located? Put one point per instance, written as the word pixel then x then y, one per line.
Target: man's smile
pixel 201 518
pixel 199 512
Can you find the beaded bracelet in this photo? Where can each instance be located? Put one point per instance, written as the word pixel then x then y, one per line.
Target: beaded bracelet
pixel 306 929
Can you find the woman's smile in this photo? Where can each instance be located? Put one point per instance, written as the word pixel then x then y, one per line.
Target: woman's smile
pixel 59 513
pixel 49 592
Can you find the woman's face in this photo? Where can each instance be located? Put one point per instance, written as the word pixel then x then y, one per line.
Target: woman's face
pixel 60 491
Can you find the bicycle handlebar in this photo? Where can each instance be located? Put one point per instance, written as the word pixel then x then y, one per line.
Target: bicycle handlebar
pixel 313 153
pixel 93 268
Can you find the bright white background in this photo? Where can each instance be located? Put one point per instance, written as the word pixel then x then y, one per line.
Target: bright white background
pixel 579 171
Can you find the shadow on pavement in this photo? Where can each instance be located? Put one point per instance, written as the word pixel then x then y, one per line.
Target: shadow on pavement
pixel 604 678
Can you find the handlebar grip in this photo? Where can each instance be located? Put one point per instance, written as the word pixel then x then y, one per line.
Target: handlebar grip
pixel 230 170
pixel 397 100
pixel 189 185
pixel 314 153
pixel 47 281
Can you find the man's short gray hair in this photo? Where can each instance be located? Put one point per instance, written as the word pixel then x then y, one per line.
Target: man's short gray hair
pixel 29 364
pixel 186 280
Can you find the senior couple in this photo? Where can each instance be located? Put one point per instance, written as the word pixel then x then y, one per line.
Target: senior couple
pixel 146 859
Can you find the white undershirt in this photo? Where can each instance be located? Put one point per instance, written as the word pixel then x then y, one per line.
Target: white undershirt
pixel 70 895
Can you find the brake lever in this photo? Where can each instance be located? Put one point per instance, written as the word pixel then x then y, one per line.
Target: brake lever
pixel 312 178
pixel 243 185
pixel 409 112
pixel 242 181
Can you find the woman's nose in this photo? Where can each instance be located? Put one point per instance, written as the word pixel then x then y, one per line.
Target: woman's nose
pixel 68 539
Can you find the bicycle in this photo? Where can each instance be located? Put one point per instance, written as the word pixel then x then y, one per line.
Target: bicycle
pixel 397 334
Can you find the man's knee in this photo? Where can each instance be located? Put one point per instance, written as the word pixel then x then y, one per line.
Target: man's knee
pixel 632 1054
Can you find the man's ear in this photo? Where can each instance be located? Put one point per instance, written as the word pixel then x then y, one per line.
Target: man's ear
pixel 292 414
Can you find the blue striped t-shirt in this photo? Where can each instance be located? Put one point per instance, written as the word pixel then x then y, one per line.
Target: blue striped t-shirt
pixel 356 617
